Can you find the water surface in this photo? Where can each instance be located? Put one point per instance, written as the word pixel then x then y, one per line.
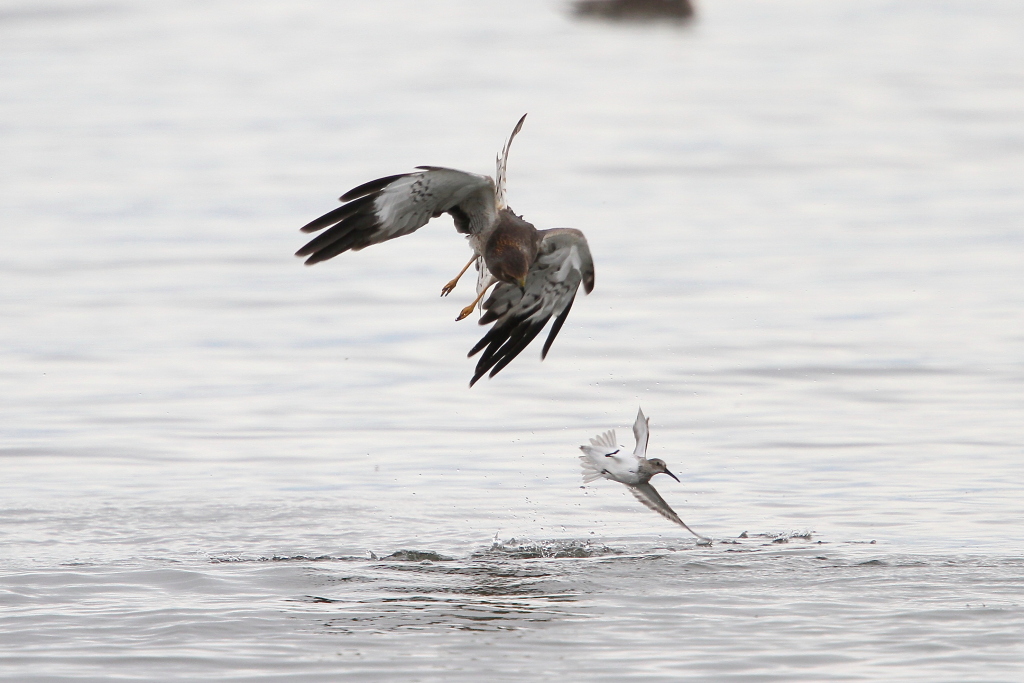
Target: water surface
pixel 218 464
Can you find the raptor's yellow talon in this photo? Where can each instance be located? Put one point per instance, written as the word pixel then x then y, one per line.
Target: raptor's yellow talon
pixel 469 309
pixel 447 289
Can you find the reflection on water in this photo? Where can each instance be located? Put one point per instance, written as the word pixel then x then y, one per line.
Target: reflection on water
pixel 635 10
pixel 432 614
pixel 495 589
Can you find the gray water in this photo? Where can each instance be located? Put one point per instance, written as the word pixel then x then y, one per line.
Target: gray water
pixel 217 464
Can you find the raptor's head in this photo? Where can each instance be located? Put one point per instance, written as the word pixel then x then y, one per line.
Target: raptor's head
pixel 510 265
pixel 512 248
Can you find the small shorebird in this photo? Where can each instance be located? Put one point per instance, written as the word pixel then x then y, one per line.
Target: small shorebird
pixel 603 458
pixel 535 273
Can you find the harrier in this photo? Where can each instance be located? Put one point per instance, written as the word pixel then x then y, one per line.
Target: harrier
pixel 534 273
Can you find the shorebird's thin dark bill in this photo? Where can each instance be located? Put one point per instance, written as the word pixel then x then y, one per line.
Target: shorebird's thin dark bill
pixel 673 476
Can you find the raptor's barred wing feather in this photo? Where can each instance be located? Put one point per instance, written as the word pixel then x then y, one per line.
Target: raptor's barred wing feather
pixel 483 277
pixel 650 497
pixel 397 205
pixel 519 314
pixel 502 164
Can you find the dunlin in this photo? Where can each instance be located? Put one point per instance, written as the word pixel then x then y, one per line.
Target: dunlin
pixel 604 458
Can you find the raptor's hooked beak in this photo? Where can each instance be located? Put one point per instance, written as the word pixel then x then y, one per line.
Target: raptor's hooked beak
pixel 522 282
pixel 673 476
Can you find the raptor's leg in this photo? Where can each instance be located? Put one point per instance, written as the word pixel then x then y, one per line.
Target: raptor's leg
pixel 469 309
pixel 447 289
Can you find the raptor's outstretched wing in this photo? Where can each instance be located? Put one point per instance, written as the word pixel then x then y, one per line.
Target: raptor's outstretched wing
pixel 519 314
pixel 397 205
pixel 502 164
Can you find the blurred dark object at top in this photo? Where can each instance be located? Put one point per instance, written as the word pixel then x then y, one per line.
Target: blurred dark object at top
pixel 634 10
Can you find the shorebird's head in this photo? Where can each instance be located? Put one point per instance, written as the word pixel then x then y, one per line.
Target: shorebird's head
pixel 658 467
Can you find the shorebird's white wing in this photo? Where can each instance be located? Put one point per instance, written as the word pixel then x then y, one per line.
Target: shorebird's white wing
pixel 397 205
pixel 605 458
pixel 641 431
pixel 650 497
pixel 519 314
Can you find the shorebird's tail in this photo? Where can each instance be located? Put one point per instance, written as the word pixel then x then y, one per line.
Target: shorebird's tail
pixel 590 470
pixel 592 460
pixel 499 176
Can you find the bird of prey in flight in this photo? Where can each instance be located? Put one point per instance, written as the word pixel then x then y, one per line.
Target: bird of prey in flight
pixel 534 273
